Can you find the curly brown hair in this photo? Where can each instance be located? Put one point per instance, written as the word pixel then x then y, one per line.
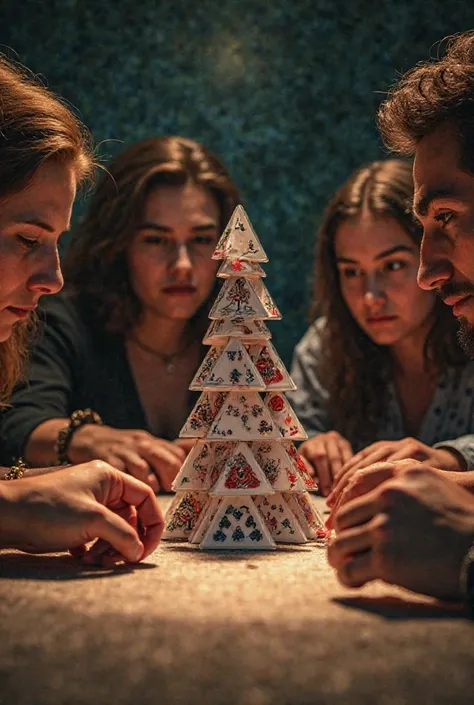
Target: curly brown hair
pixel 95 264
pixel 353 368
pixel 431 94
pixel 35 126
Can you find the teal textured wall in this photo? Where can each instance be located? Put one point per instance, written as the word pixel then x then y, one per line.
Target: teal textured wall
pixel 285 91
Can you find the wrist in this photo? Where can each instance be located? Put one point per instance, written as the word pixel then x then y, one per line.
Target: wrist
pixel 77 421
pixel 11 520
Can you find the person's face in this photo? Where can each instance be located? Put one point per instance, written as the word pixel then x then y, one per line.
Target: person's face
pixel 378 262
pixel 31 222
pixel 170 265
pixel 444 203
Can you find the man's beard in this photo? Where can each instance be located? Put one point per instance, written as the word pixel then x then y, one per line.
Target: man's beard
pixel 466 337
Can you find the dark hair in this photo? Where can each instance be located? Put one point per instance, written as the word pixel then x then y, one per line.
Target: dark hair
pixel 35 126
pixel 353 368
pixel 95 265
pixel 431 94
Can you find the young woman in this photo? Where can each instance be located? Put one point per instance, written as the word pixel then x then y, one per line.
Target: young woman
pixel 45 154
pixel 121 347
pixel 380 373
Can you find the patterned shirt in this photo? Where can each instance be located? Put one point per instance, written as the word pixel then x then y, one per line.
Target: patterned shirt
pixel 448 422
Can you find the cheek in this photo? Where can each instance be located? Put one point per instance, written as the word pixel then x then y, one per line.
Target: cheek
pixel 353 298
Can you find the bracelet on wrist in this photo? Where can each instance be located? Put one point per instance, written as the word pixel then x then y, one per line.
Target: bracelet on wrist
pixel 78 418
pixel 16 471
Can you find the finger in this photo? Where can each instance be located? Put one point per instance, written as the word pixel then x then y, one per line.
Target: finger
pixel 348 543
pixel 339 487
pixel 357 570
pixel 175 449
pixel 334 454
pixel 150 518
pixel 78 551
pixel 324 474
pixel 115 531
pixel 187 444
pixel 138 467
pixel 165 465
pixel 345 450
pixel 358 511
pixel 376 456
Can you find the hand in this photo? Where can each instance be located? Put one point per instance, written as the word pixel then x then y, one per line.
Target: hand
pixel 327 453
pixel 391 451
pixel 187 444
pixel 412 531
pixel 152 460
pixel 69 508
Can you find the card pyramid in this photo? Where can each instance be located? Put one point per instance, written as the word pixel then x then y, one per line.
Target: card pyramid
pixel 243 417
pixel 239 240
pixel 183 514
pixel 204 411
pixel 243 485
pixel 241 475
pixel 278 467
pixel 284 417
pixel 233 370
pixel 238 298
pixel 280 520
pixel 240 267
pixel 252 331
pixel 237 524
pixel 271 368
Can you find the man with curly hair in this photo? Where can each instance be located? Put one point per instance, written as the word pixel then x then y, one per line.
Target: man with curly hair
pixel 406 523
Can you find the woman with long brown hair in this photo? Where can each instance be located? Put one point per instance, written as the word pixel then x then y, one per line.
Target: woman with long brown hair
pixel 45 154
pixel 109 378
pixel 379 374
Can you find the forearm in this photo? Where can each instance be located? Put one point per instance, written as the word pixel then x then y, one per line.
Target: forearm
pixel 41 446
pixel 464 479
pixel 10 515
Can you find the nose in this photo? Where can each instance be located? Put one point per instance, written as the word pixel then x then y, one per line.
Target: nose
pixel 374 292
pixel 182 261
pixel 435 261
pixel 47 278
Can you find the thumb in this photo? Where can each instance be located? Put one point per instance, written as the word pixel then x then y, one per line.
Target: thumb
pixel 110 527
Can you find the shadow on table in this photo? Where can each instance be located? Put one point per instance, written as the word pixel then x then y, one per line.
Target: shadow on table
pixel 235 555
pixel 18 566
pixel 392 607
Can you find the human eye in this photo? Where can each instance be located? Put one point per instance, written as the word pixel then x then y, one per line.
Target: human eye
pixel 204 240
pixel 444 218
pixel 350 272
pixel 395 265
pixel 155 239
pixel 28 243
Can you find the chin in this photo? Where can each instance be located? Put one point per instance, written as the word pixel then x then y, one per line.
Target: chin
pixel 466 337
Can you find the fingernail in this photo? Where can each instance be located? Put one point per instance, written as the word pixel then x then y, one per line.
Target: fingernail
pixel 137 552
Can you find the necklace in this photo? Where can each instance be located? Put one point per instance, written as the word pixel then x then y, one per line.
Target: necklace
pixel 169 361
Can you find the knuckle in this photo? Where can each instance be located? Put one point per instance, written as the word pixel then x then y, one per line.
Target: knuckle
pixel 391 495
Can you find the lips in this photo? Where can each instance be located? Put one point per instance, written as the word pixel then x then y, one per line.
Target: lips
pixel 458 303
pixel 20 312
pixel 179 289
pixel 380 319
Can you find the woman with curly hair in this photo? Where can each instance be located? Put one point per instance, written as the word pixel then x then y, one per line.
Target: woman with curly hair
pixel 109 377
pixel 379 374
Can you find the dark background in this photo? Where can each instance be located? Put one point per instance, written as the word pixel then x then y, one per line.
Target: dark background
pixel 285 91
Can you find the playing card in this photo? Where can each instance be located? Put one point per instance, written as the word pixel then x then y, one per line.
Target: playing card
pixel 278 467
pixel 240 267
pixel 221 330
pixel 284 417
pixel 183 514
pixel 280 520
pixel 301 466
pixel 205 518
pixel 195 472
pixel 243 417
pixel 271 368
pixel 237 524
pixel 238 298
pixel 234 369
pixel 239 240
pixel 242 475
pixel 308 516
pixel 205 409
pixel 205 368
pixel 263 294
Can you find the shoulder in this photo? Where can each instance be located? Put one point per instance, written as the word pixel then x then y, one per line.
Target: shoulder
pixel 311 343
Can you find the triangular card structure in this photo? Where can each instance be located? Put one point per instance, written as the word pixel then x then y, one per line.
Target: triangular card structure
pixel 237 524
pixel 234 370
pixel 284 417
pixel 183 514
pixel 252 331
pixel 240 267
pixel 272 310
pixel 239 240
pixel 271 368
pixel 242 475
pixel 204 411
pixel 205 367
pixel 243 417
pixel 238 298
pixel 308 516
pixel 301 467
pixel 195 473
pixel 278 467
pixel 205 518
pixel 280 520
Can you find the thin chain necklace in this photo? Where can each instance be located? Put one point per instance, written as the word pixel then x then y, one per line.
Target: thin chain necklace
pixel 169 361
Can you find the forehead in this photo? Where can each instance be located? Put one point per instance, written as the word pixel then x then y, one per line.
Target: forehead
pixel 181 204
pixel 368 235
pixel 437 167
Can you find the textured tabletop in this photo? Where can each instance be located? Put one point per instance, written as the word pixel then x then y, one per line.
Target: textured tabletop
pixel 241 628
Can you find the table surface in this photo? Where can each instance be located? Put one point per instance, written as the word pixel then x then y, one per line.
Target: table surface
pixel 237 628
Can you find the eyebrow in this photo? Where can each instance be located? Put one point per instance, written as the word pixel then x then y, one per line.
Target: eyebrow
pixel 37 223
pixel 165 229
pixel 386 253
pixel 421 206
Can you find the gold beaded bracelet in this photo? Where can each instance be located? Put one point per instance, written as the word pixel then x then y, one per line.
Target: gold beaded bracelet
pixel 76 420
pixel 16 471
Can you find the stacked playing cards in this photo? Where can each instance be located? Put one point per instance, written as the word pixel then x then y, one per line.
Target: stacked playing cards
pixel 244 484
